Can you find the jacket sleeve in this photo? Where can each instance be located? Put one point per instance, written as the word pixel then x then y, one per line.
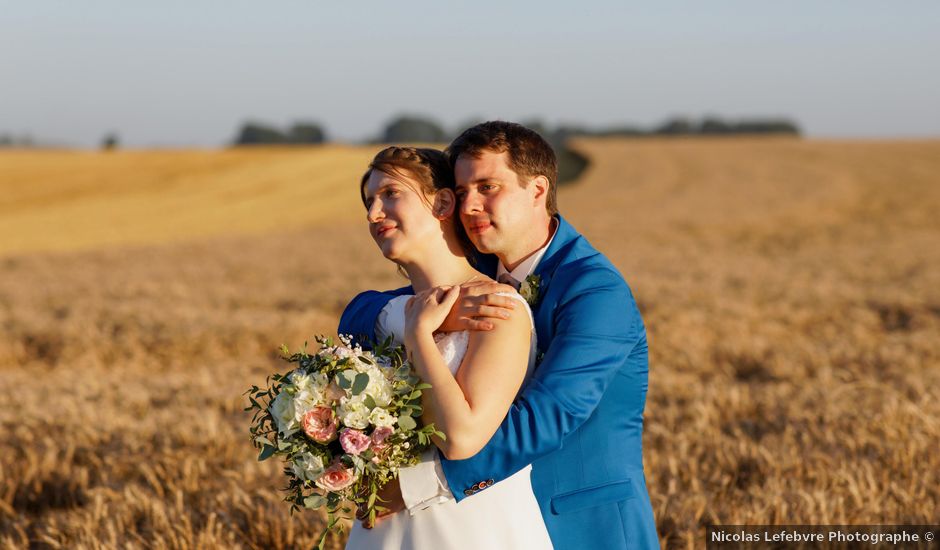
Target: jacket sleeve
pixel 596 323
pixel 359 317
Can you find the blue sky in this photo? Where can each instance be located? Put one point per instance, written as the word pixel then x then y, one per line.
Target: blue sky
pixel 179 73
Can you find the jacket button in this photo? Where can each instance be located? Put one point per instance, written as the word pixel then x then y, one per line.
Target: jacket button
pixel 489 482
pixel 468 492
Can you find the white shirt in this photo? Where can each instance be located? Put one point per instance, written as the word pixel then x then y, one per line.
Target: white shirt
pixel 424 484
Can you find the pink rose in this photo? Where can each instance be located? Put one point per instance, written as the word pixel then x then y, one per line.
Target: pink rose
pixel 354 441
pixel 336 477
pixel 319 424
pixel 379 435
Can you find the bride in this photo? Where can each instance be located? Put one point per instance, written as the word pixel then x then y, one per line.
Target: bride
pixel 409 197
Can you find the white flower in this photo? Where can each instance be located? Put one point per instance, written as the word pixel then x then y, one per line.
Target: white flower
pixel 307 466
pixel 314 383
pixel 305 401
pixel 353 413
pixel 378 387
pixel 310 391
pixel 381 418
pixel 285 414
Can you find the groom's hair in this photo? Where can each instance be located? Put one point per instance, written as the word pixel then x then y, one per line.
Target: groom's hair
pixel 529 154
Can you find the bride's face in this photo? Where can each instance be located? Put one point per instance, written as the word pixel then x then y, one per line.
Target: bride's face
pixel 400 217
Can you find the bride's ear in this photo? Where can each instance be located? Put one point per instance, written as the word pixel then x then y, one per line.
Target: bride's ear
pixel 444 203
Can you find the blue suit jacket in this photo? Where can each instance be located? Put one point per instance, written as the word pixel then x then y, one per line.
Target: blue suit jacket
pixel 579 419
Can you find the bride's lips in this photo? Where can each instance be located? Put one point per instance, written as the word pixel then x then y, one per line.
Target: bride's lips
pixel 384 230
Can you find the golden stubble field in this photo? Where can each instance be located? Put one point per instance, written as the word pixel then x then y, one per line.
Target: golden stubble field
pixel 791 290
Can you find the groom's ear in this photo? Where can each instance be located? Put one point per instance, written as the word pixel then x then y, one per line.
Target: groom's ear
pixel 444 204
pixel 540 186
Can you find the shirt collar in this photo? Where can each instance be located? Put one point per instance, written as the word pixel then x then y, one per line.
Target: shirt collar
pixel 528 265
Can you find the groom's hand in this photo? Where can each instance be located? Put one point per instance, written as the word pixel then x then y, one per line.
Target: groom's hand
pixel 390 498
pixel 478 306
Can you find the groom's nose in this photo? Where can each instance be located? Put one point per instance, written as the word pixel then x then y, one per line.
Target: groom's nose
pixel 471 203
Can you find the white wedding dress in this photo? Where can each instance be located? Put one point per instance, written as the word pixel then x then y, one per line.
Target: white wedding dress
pixel 505 515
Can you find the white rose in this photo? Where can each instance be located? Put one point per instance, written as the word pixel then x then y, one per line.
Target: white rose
pixel 305 401
pixel 284 414
pixel 314 382
pixel 307 466
pixel 380 418
pixel 353 413
pixel 298 379
pixel 379 388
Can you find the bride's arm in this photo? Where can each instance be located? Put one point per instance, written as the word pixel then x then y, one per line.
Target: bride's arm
pixel 470 407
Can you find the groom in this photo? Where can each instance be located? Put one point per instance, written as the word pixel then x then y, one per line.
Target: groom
pixel 579 419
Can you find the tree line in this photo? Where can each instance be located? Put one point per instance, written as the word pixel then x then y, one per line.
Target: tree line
pixel 422 129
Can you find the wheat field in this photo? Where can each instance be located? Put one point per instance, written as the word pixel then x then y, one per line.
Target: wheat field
pixel 790 288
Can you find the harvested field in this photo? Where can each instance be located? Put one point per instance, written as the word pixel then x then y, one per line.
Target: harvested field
pixel 791 290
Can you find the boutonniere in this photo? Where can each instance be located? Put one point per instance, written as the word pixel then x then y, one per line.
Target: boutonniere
pixel 529 289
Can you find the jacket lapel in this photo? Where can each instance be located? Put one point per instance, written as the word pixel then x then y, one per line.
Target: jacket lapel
pixel 564 242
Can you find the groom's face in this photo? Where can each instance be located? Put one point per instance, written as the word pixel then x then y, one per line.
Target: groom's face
pixel 495 208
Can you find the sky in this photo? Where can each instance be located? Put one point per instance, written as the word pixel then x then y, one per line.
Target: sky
pixel 189 73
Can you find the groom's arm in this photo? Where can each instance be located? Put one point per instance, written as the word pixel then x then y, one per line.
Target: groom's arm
pixel 372 315
pixel 596 325
pixel 361 316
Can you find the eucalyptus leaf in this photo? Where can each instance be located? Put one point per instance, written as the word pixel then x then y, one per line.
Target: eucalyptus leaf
pixel 266 452
pixel 314 501
pixel 360 383
pixel 407 423
pixel 343 381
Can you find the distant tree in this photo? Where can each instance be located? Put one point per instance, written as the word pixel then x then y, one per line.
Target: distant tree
pixel 5 140
pixel 713 125
pixel 539 127
pixel 306 132
pixel 413 129
pixel 253 133
pixel 110 142
pixel 767 126
pixel 675 126
pixel 469 122
pixel 570 164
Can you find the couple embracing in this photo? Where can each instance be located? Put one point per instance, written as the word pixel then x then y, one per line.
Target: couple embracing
pixel 541 398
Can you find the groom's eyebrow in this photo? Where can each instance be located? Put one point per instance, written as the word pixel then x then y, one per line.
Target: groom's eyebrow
pixel 484 179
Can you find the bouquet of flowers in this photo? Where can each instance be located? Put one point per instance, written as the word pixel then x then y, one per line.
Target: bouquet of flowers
pixel 344 420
